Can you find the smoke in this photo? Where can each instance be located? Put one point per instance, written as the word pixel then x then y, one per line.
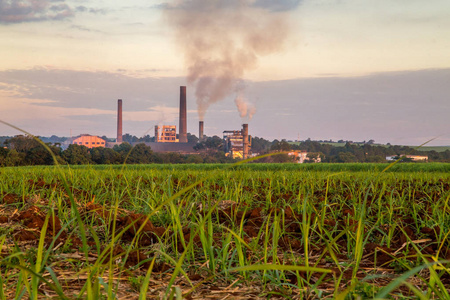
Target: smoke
pixel 246 109
pixel 223 39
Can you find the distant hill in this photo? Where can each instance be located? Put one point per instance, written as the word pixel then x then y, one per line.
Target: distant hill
pixel 423 148
pixel 433 148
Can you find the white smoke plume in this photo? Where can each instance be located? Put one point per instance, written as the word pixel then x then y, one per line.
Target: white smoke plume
pixel 222 39
pixel 245 108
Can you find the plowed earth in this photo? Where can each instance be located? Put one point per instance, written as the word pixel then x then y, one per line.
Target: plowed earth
pixel 25 216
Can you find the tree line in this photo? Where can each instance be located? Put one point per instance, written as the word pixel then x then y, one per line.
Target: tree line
pixel 350 152
pixel 25 151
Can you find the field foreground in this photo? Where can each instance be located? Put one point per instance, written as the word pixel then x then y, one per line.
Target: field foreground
pixel 196 232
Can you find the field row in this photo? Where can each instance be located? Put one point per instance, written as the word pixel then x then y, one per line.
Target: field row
pixel 246 231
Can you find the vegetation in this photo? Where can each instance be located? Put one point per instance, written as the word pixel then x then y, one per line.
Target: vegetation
pixel 348 152
pixel 363 152
pixel 319 231
pixel 435 148
pixel 24 150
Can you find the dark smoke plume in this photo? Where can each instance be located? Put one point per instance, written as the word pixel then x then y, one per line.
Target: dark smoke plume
pixel 222 39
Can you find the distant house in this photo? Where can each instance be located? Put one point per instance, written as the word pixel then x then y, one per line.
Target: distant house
pixel 410 157
pixel 89 141
pixel 418 157
pixel 302 156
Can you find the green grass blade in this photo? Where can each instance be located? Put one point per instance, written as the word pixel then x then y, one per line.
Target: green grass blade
pixel 401 279
pixel 144 286
pixel 262 267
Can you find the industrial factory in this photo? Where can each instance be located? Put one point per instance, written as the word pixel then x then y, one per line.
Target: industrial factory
pixel 236 142
pixel 166 135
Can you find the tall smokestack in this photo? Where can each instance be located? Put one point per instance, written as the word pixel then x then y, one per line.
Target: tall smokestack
pixel 200 131
pixel 245 141
pixel 119 121
pixel 183 123
pixel 156 133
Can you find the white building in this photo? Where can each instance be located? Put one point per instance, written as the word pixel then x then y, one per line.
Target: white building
pixel 411 157
pixel 302 156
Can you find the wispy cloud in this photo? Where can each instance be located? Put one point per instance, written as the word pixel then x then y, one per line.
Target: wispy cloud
pixel 12 11
pixel 163 5
pixel 271 5
pixel 91 10
pixel 77 89
pixel 278 5
pixel 86 29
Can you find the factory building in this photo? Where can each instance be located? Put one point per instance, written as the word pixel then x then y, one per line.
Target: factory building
pixel 89 141
pixel 237 142
pixel 166 134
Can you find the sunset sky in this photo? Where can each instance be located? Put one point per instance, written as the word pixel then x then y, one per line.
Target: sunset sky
pixel 336 69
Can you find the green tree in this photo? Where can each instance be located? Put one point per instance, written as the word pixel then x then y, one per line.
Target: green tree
pixel 14 158
pixel 282 158
pixel 109 156
pixel 105 156
pixel 192 138
pixel 376 159
pixel 170 158
pixel 140 154
pixel 280 146
pixel 260 145
pixel 346 157
pixel 128 138
pixel 194 159
pixel 214 142
pixel 32 152
pixel 275 146
pixel 146 139
pixel 123 149
pixel 3 156
pixel 77 155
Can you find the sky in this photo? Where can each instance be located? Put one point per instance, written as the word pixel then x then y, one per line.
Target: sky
pixel 320 69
